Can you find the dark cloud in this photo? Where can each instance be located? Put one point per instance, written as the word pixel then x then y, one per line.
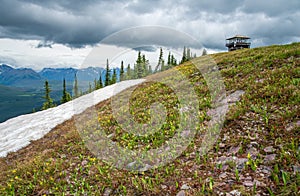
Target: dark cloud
pixel 78 23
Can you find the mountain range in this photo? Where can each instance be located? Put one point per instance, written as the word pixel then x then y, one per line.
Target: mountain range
pixel 28 78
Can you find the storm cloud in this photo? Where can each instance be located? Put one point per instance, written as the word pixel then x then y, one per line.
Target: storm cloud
pixel 77 23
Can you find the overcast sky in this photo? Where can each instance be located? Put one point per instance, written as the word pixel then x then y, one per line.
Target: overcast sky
pixel 60 33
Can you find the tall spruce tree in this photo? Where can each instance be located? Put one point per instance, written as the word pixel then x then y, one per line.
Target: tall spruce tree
pixel 66 96
pixel 107 74
pixel 204 52
pixel 48 101
pixel 139 66
pixel 160 59
pixel 122 76
pixel 114 77
pixel 183 55
pixel 100 84
pixel 75 89
pixel 128 72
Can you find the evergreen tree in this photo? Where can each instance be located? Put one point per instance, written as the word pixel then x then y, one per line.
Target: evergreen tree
pixel 139 66
pixel 173 60
pixel 100 84
pixel 76 91
pixel 169 60
pixel 107 74
pixel 48 101
pixel 66 96
pixel 160 59
pixel 128 73
pixel 204 52
pixel 114 77
pixel 188 54
pixel 183 55
pixel 122 76
pixel 90 87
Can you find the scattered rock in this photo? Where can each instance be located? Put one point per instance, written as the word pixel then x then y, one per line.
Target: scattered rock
pixel 270 157
pixel 296 168
pixel 181 193
pixel 233 150
pixel 107 192
pixel 269 149
pixel 164 186
pixel 221 145
pixel 248 183
pixel 223 175
pixel 293 125
pixel 185 187
pixel 84 162
pixel 235 193
pixel 254 144
pixel 258 183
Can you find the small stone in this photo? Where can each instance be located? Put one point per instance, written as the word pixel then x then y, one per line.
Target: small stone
pixel 84 162
pixel 223 175
pixel 248 183
pixel 269 149
pixel 254 144
pixel 221 145
pixel 235 193
pixel 164 186
pixel 234 150
pixel 296 168
pixel 181 193
pixel 185 187
pixel 269 158
pixel 258 183
pixel 107 192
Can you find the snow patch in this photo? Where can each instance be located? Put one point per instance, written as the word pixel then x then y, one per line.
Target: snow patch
pixel 17 132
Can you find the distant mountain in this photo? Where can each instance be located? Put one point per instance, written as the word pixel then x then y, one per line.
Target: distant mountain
pixel 18 77
pixel 58 73
pixel 4 68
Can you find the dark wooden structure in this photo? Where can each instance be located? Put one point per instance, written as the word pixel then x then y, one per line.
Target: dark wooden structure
pixel 237 42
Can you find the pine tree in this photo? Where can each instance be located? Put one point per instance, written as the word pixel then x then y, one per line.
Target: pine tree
pixel 169 60
pixel 100 84
pixel 173 60
pixel 114 77
pixel 66 96
pixel 128 72
pixel 188 54
pixel 90 87
pixel 183 55
pixel 204 52
pixel 107 74
pixel 76 91
pixel 122 76
pixel 48 101
pixel 139 66
pixel 160 59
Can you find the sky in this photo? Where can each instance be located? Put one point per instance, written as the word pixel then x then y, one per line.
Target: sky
pixel 62 33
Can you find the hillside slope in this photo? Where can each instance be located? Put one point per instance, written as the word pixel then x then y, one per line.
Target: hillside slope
pixel 257 151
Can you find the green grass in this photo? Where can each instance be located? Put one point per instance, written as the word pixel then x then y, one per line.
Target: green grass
pixel 61 164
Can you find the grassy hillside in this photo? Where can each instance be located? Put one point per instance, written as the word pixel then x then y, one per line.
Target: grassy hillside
pixel 257 151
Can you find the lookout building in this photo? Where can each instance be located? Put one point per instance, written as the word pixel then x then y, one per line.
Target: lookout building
pixel 237 42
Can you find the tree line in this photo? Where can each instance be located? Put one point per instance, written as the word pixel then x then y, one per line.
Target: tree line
pixel 141 68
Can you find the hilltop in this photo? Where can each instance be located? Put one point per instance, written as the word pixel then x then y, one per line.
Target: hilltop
pixel 257 151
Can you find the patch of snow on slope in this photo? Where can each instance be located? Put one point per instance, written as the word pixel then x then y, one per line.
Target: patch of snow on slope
pixel 17 132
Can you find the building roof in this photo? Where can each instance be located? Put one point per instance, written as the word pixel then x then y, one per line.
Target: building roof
pixel 238 36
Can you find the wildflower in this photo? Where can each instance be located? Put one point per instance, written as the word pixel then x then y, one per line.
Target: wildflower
pixel 248 156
